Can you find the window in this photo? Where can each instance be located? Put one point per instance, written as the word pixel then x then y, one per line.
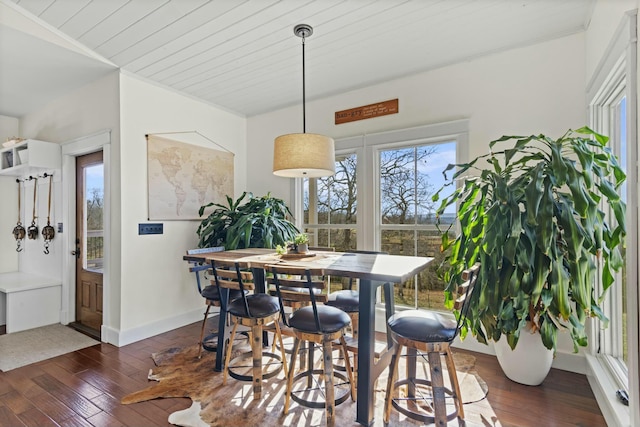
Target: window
pixel 330 205
pixel 408 177
pixel 609 117
pixel 612 96
pixel 380 199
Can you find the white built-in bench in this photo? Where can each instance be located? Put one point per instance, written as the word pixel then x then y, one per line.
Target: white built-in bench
pixel 28 301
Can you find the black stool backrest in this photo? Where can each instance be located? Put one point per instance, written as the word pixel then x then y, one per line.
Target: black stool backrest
pixel 197 267
pixel 298 284
pixel 232 275
pixel 464 291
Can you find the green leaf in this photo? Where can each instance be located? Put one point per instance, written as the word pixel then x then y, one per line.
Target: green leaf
pixel 530 217
pixel 548 333
pixel 559 282
pixel 534 193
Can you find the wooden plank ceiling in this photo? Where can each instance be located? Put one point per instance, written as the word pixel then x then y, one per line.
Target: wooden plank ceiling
pixel 243 56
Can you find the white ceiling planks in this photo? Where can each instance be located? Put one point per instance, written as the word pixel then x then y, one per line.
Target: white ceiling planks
pixel 148 25
pixel 247 50
pixel 62 11
pixel 157 44
pixel 89 16
pixel 242 55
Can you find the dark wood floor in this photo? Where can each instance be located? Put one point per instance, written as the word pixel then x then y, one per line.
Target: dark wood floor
pixel 84 388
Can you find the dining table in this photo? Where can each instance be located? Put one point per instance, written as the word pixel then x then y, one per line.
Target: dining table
pixel 373 270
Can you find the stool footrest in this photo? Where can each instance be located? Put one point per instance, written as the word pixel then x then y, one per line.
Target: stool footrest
pixel 428 419
pixel 318 404
pixel 265 375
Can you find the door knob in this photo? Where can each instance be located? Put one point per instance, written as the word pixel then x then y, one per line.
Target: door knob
pixel 76 253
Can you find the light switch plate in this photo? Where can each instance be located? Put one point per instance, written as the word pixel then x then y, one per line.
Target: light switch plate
pixel 150 228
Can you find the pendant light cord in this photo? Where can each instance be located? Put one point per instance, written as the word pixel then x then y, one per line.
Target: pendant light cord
pixel 304 103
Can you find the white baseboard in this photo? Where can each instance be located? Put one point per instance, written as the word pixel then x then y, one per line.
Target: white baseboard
pixel 121 338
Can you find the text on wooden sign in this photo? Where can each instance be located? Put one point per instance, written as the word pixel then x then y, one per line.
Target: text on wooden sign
pixel 367 111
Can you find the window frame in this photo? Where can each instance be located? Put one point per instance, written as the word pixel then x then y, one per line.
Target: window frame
pixel 607 373
pixel 367 147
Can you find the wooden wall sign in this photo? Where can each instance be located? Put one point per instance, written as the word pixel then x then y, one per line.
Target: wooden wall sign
pixel 367 111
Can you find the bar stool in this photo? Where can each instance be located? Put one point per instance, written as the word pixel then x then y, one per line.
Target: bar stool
pixel 295 300
pixel 212 299
pixel 431 333
pixel 255 311
pixel 209 293
pixel 319 324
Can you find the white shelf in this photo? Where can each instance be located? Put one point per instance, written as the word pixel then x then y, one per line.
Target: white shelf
pixel 28 157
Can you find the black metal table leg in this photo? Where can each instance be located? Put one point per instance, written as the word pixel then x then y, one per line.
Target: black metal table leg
pixel 223 334
pixel 366 342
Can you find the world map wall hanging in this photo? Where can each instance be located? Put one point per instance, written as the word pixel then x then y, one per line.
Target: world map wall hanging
pixel 182 177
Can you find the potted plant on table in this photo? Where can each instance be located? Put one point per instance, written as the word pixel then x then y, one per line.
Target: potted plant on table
pixel 260 222
pixel 301 243
pixel 534 218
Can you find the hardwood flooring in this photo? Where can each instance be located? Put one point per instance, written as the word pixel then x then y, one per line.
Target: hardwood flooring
pixel 84 388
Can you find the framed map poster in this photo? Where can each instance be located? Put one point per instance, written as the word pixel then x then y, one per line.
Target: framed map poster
pixel 183 177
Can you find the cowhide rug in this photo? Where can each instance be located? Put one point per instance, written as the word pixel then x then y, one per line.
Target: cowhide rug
pixel 180 373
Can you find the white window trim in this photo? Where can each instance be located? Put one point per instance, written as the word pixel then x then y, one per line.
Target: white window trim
pixel 602 374
pixel 371 144
pixel 367 147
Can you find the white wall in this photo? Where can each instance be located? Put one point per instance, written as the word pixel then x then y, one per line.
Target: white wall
pixel 535 89
pixel 604 22
pixel 9 126
pixel 90 109
pixel 8 220
pixel 158 293
pixel 80 113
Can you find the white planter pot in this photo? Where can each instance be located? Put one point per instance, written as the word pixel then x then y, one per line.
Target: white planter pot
pixel 529 363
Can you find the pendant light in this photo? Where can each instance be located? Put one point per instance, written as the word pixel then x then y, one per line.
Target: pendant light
pixel 303 155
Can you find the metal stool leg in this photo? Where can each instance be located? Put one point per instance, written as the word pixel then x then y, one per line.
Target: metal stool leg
pixel 292 368
pixel 453 376
pixel 393 376
pixel 227 357
pixel 328 383
pixel 437 386
pixel 204 321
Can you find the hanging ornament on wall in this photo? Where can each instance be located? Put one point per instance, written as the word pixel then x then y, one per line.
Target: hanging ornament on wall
pixel 32 230
pixel 18 231
pixel 47 231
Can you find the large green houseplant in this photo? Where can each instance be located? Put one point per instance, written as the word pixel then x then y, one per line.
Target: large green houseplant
pixel 259 222
pixel 533 217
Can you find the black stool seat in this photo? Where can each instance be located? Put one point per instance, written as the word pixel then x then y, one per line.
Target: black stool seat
pixel 346 300
pixel 423 326
pixel 332 319
pixel 211 293
pixel 260 305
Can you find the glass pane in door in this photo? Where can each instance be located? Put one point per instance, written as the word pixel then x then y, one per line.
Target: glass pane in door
pixel 93 217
